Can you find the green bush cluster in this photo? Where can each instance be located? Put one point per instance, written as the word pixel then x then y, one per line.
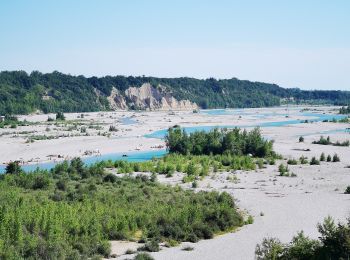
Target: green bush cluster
pixel 327 141
pixel 12 122
pixel 323 158
pixel 72 211
pixel 332 244
pixel 303 160
pixel 314 161
pixel 347 190
pixel 284 171
pixel 344 110
pixel 60 116
pixel 292 162
pixel 235 142
pixel 192 165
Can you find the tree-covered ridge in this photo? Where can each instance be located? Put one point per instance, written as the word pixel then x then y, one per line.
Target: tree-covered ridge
pixel 73 211
pixel 22 93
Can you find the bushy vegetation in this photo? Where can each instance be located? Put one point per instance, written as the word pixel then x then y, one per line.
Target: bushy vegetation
pixel 342 120
pixel 334 243
pixel 344 110
pixel 303 160
pixel 322 157
pixel 323 141
pixel 60 116
pixel 21 93
pixel 292 162
pixel 12 122
pixel 314 161
pixel 234 142
pixel 143 256
pixel 329 158
pixel 192 165
pixel 327 141
pixel 347 190
pixel 73 211
pixel 284 171
pixel 336 158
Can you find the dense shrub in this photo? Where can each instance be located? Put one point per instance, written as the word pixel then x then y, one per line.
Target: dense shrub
pixel 314 161
pixel 73 211
pixel 283 170
pixel 13 168
pixel 322 157
pixel 347 190
pixel 234 142
pixel 303 160
pixel 150 246
pixel 110 178
pixel 143 256
pixel 60 116
pixel 344 110
pixel 292 162
pixel 323 141
pixel 327 141
pixel 336 158
pixel 332 244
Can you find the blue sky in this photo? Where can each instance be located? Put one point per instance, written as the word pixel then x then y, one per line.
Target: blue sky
pixel 295 43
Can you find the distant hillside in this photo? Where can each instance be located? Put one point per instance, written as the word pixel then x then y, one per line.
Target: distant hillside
pixel 21 93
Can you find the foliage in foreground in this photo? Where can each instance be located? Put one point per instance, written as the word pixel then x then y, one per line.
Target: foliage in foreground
pixel 73 211
pixel 334 243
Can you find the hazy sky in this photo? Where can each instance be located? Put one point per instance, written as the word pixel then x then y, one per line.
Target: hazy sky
pixel 292 43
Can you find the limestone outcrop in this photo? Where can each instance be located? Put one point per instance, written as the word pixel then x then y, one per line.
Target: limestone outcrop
pixel 148 97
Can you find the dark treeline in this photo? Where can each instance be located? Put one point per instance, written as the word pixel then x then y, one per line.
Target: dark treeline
pixel 234 142
pixel 334 243
pixel 72 211
pixel 21 93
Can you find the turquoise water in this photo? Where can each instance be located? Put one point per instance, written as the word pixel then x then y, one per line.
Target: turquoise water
pixel 131 157
pixel 341 130
pixel 160 134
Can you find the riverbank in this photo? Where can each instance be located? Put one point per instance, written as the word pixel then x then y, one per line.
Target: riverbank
pixel 281 206
pixel 101 133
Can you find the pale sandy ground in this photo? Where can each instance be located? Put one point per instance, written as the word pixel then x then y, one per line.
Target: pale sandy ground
pixel 288 204
pixel 128 138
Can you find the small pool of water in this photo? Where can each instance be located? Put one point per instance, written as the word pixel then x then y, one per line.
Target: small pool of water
pixel 128 121
pixel 334 131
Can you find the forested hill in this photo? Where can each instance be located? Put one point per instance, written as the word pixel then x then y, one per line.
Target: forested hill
pixel 22 93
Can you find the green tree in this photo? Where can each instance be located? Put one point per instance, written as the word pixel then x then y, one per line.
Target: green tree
pixel 13 168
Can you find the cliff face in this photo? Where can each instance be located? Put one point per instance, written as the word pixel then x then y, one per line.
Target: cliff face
pixel 147 97
pixel 116 100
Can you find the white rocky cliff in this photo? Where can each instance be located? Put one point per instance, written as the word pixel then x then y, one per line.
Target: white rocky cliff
pixel 147 97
